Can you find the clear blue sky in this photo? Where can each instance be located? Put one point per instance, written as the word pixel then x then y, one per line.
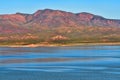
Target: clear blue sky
pixel 106 8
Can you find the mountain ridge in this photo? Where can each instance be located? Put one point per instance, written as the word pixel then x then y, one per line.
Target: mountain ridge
pixel 56 26
pixel 57 18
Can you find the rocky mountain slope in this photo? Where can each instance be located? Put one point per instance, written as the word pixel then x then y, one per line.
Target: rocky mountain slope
pixel 52 23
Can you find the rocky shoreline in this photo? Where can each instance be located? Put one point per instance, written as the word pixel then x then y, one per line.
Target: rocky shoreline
pixel 59 45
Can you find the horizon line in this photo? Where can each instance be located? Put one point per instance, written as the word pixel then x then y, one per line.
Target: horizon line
pixel 57 10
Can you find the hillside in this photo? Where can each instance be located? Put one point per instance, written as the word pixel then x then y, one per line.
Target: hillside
pixel 55 26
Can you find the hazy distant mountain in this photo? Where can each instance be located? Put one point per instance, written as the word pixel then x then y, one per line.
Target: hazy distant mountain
pixel 60 20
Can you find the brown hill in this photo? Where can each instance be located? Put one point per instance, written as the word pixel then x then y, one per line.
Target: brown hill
pixel 56 18
pixel 45 24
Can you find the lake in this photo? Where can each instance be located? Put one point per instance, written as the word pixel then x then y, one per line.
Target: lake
pixel 60 63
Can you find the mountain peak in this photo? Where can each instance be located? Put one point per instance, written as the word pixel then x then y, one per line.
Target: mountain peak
pixel 53 18
pixel 38 12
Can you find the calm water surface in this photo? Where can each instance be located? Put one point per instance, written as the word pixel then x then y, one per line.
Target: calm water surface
pixel 60 63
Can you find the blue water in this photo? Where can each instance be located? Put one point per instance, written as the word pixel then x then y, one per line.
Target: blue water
pixel 60 63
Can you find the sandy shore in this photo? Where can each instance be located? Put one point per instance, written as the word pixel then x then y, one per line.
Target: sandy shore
pixel 57 45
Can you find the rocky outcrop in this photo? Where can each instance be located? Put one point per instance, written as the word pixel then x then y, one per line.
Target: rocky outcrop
pixel 59 37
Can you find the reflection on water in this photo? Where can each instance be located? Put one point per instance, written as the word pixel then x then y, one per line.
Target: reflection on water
pixel 60 63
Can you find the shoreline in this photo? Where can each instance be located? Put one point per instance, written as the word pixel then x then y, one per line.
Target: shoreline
pixel 64 45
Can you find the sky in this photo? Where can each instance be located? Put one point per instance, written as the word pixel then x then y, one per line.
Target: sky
pixel 105 8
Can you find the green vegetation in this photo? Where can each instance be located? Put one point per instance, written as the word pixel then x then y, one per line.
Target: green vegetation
pixel 63 35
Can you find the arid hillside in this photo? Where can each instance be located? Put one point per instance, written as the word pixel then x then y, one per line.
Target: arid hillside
pixel 56 26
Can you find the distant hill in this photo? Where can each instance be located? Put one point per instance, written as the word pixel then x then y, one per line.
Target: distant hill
pixel 43 25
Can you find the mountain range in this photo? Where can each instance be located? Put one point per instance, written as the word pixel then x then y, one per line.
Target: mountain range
pixel 59 24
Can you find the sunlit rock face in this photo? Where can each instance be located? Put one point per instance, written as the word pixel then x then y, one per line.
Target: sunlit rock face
pixel 21 22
